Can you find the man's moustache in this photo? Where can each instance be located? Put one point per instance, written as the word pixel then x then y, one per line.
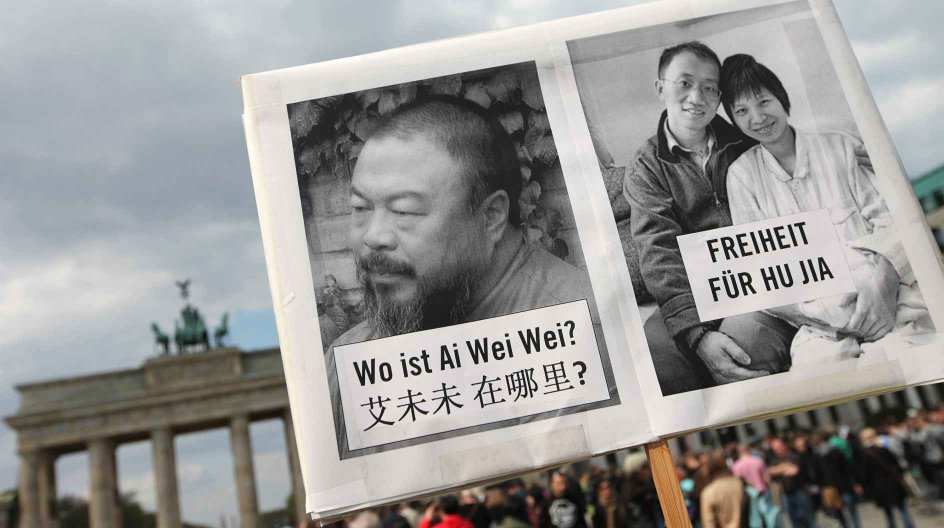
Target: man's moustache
pixel 380 263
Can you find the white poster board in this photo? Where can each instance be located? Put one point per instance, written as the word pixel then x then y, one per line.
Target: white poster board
pixel 487 256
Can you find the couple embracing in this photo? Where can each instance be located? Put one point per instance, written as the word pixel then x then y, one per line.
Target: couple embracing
pixel 698 172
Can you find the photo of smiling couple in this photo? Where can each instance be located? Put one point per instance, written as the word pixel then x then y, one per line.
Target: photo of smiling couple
pixel 700 170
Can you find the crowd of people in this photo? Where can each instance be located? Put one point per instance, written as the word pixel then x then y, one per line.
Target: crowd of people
pixel 781 479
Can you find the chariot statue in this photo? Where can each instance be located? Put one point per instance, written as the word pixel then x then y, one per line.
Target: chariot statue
pixel 191 333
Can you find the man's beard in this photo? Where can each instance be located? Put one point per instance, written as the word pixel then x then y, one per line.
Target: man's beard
pixel 433 305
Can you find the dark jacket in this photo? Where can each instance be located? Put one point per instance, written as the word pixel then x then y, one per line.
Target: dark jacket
pixel 837 471
pixel 670 196
pixel 882 478
pixel 566 511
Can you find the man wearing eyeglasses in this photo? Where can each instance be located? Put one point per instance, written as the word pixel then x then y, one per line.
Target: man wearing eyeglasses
pixel 676 186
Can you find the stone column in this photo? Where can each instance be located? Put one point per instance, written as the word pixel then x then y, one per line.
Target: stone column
pixel 165 478
pixel 675 448
pixel 47 490
pixel 29 490
pixel 245 476
pixel 930 395
pixel 741 433
pixel 760 428
pixel 295 469
pixel 913 399
pixel 823 417
pixel 104 511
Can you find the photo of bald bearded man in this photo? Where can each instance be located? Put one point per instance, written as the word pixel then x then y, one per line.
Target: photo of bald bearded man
pixel 441 218
pixel 435 230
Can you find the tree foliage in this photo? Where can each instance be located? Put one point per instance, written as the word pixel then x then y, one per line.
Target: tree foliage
pixel 73 512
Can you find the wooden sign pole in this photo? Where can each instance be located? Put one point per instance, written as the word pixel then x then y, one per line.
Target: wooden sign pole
pixel 667 485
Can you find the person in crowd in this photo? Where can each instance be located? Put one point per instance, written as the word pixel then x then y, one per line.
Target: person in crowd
pixel 839 496
pixel 565 507
pixel 536 502
pixel 928 440
pixel 608 510
pixel 687 471
pixel 787 469
pixel 882 479
pixel 471 508
pixel 791 171
pixel 506 508
pixel 412 512
pixel 444 513
pixel 639 491
pixel 751 468
pixel 365 519
pixel 721 500
pixel 393 518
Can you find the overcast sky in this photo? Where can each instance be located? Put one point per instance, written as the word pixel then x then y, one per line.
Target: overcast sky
pixel 124 167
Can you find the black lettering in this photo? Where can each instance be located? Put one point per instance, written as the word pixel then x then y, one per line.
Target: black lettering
pixel 498 350
pixel 478 351
pixel 712 250
pixel 767 240
pixel 366 373
pixel 742 245
pixel 446 359
pixel 727 244
pixel 745 279
pixel 530 341
pixel 778 232
pixel 824 269
pixel 713 284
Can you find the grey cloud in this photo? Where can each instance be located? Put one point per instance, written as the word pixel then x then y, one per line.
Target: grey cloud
pixel 902 57
pixel 124 164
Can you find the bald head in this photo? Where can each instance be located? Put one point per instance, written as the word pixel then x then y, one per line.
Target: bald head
pixel 484 152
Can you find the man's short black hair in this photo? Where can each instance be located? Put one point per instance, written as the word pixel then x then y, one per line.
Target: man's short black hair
pixel 700 50
pixel 475 139
pixel 448 504
pixel 742 75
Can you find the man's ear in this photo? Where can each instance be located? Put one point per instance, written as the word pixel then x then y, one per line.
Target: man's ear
pixel 659 85
pixel 495 207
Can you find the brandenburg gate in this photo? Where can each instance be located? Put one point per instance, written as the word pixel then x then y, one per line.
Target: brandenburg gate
pixel 166 396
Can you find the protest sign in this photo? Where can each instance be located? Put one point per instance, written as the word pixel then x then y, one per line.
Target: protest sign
pixel 504 252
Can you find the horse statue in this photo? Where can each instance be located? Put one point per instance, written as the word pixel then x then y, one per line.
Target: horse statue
pixel 222 330
pixel 161 339
pixel 192 331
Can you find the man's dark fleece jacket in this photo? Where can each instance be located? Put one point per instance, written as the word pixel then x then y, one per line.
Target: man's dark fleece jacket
pixel 669 195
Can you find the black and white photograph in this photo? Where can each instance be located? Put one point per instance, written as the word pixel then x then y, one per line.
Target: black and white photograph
pixel 430 204
pixel 506 252
pixel 729 125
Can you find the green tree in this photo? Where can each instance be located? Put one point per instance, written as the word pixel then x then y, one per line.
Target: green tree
pixel 73 512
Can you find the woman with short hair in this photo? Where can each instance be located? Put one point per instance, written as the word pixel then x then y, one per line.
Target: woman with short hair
pixel 791 172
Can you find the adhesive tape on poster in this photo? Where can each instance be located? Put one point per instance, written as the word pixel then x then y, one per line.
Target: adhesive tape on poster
pixel 832 387
pixel 288 300
pixel 513 456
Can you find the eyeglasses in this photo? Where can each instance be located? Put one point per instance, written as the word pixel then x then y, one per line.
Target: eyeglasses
pixel 685 86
